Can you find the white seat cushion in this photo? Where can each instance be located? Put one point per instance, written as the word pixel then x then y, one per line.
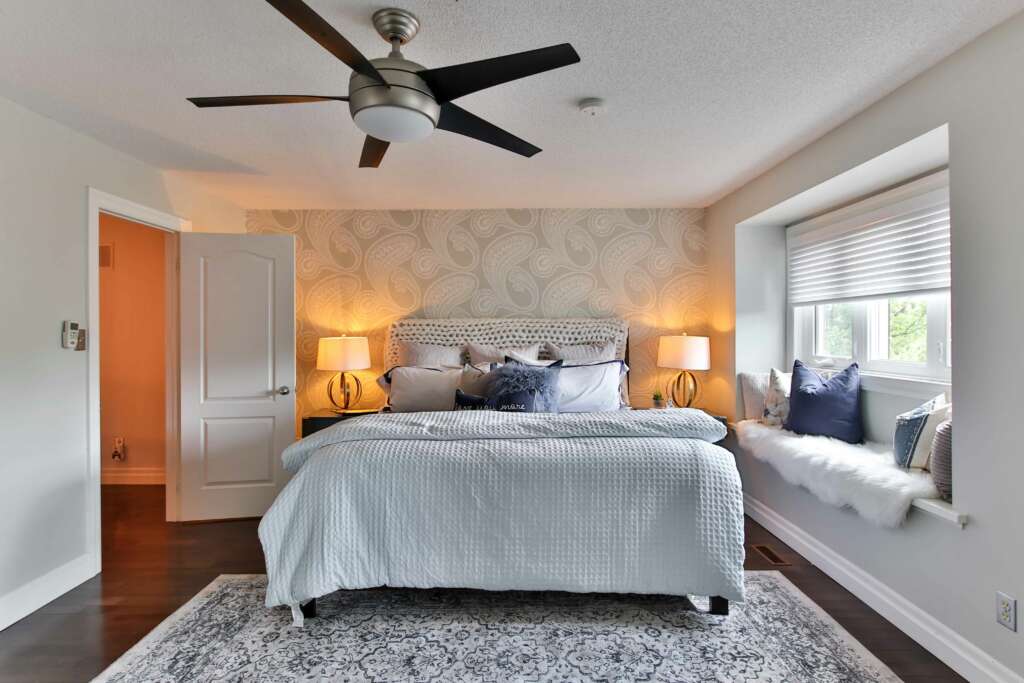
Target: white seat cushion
pixel 861 476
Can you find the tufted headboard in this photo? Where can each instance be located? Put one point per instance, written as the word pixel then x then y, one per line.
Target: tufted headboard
pixel 506 332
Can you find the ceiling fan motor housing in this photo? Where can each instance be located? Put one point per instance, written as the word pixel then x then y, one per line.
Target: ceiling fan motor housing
pixel 407 91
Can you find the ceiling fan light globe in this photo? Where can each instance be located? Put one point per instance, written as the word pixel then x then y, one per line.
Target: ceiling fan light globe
pixel 394 124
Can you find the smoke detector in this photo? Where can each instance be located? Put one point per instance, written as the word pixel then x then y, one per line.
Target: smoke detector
pixel 591 106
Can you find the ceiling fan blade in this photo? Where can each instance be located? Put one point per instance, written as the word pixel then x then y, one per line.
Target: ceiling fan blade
pixel 451 82
pixel 317 28
pixel 457 120
pixel 373 152
pixel 247 100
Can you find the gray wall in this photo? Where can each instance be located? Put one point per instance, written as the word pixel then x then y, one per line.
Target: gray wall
pixel 979 93
pixel 44 174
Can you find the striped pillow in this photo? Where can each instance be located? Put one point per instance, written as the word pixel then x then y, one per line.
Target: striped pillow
pixel 942 460
pixel 915 430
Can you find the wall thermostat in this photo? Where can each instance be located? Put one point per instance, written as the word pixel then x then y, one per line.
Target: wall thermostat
pixel 69 335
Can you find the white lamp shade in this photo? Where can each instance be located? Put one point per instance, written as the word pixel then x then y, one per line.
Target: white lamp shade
pixel 684 352
pixel 343 353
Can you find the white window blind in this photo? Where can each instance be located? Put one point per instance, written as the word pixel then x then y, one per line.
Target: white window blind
pixel 890 244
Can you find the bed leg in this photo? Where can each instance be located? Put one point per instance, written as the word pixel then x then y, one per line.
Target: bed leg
pixel 719 606
pixel 309 609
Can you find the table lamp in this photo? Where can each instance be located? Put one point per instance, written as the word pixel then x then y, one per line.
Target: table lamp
pixel 684 353
pixel 341 354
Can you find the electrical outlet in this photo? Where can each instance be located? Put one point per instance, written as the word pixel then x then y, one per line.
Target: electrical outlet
pixel 1006 611
pixel 118 454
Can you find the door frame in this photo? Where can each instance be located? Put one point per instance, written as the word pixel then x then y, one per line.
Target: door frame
pixel 103 202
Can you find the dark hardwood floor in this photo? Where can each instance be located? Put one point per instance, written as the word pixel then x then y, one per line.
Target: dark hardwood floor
pixel 150 568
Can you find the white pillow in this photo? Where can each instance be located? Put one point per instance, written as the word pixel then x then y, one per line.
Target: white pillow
pixel 590 388
pixel 776 400
pixel 583 352
pixel 478 353
pixel 414 390
pixel 429 355
pixel 754 386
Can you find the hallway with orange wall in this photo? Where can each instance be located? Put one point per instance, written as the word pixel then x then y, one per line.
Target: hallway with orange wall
pixel 132 351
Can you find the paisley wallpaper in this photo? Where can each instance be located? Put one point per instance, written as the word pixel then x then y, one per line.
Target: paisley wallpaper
pixel 359 270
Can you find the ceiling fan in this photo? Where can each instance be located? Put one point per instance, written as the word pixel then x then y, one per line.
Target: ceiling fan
pixel 392 99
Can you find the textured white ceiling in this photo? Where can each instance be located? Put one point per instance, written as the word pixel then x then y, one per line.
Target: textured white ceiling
pixel 702 94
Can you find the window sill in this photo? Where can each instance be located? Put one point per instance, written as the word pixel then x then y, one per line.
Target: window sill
pixel 940 509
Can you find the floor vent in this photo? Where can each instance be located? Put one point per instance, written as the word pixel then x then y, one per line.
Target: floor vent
pixel 769 554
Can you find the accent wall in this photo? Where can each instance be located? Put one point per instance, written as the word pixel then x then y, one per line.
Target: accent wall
pixel 357 271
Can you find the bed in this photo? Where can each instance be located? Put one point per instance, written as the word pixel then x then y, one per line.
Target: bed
pixel 628 501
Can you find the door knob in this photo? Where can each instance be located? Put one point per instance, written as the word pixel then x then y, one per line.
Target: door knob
pixel 284 391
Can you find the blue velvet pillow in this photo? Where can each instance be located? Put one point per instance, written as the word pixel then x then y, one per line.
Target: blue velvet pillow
pixel 826 407
pixel 518 387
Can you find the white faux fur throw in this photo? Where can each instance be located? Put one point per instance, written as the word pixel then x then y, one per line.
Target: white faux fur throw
pixel 864 477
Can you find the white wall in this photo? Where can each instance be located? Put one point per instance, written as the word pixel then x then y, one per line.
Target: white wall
pixel 950 574
pixel 760 269
pixel 45 169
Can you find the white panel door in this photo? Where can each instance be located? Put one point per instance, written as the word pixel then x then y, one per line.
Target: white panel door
pixel 237 372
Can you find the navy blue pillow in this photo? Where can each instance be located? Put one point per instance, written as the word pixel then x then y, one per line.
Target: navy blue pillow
pixel 524 401
pixel 514 402
pixel 826 407
pixel 464 401
pixel 525 388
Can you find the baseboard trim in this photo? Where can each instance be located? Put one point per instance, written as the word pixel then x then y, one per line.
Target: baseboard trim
pixel 133 475
pixel 25 600
pixel 957 652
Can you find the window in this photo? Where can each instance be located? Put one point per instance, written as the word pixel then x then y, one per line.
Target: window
pixel 833 330
pixel 871 284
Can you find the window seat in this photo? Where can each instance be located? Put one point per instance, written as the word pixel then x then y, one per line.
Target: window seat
pixel 863 477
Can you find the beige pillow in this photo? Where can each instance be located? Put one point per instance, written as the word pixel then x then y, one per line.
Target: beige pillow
pixel 414 390
pixel 416 354
pixel 476 379
pixel 479 353
pixel 754 386
pixel 583 352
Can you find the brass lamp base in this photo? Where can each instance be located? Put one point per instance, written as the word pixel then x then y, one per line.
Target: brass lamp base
pixel 684 390
pixel 349 395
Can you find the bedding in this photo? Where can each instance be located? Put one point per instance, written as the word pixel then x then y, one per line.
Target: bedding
pixel 593 387
pixel 526 388
pixel 464 401
pixel 481 353
pixel 754 388
pixel 582 352
pixel 586 387
pixel 624 501
pixel 421 389
pixel 476 379
pixel 429 355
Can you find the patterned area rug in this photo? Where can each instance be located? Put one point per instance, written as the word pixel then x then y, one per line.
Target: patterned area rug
pixel 226 634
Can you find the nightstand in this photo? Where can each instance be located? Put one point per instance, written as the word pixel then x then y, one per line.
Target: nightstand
pixel 322 419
